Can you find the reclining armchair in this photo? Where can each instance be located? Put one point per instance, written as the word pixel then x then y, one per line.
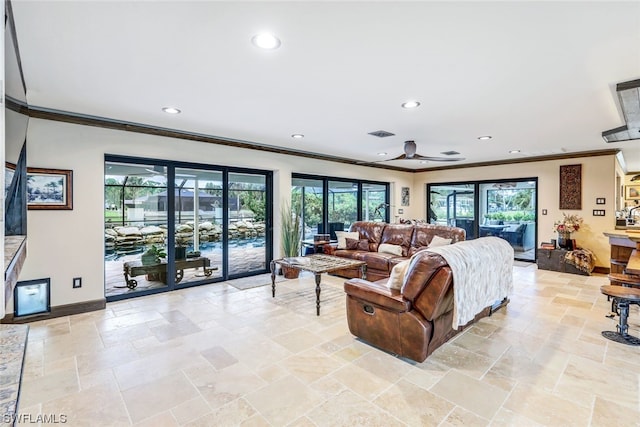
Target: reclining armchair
pixel 417 318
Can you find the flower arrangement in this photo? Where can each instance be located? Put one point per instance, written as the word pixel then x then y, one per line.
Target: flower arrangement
pixel 568 224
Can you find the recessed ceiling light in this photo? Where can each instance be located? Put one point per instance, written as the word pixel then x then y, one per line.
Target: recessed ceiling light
pixel 410 104
pixel 266 41
pixel 297 136
pixel 171 110
pixel 483 138
pixel 382 154
pixel 514 151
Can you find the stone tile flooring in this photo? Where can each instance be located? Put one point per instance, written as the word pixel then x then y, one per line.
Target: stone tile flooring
pixel 218 356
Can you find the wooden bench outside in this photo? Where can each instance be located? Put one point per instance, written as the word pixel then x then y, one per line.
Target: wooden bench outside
pixel 136 268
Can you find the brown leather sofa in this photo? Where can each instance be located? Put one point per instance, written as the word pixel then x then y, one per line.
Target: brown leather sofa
pixel 412 239
pixel 411 321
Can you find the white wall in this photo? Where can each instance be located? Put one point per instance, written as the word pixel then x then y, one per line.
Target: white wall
pixel 598 180
pixel 67 244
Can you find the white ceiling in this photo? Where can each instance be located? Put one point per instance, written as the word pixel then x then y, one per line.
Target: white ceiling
pixel 537 76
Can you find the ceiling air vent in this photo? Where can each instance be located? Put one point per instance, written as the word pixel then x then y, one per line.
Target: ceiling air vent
pixel 450 153
pixel 381 133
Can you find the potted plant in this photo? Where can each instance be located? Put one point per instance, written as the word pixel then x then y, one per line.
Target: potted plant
pixel 290 237
pixel 153 255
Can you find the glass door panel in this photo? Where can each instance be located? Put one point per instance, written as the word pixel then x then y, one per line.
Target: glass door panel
pixel 453 205
pixel 343 204
pixel 247 209
pixel 375 206
pixel 198 228
pixel 508 211
pixel 309 191
pixel 135 235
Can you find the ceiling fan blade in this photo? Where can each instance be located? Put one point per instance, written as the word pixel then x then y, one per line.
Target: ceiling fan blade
pixel 438 159
pixel 400 157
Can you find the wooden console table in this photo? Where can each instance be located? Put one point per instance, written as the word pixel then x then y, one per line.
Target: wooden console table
pixel 136 268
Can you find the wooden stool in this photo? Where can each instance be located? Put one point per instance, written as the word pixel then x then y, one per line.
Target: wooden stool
pixel 622 298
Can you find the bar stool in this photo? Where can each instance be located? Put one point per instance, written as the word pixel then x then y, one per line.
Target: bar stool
pixel 629 280
pixel 622 297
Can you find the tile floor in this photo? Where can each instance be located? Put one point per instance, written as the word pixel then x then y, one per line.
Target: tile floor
pixel 219 356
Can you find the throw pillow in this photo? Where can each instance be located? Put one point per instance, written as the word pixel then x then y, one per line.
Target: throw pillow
pixel 363 245
pixel 342 238
pixel 352 244
pixel 390 249
pixel 396 279
pixel 439 241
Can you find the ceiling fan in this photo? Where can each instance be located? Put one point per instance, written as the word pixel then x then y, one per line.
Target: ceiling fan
pixel 410 154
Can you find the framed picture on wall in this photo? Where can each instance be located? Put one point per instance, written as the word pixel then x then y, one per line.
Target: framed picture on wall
pixel 49 189
pixel 404 196
pixel 632 192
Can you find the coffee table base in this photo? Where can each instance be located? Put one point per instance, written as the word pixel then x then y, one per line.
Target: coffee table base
pixel 317 272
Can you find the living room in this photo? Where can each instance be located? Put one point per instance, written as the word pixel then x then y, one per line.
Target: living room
pixel 68 244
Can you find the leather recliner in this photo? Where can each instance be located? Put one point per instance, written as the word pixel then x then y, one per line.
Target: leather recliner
pixel 411 322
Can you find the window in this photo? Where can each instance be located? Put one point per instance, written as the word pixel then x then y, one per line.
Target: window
pixel 331 204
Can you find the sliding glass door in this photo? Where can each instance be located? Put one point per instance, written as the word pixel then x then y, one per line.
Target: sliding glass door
pixel 501 208
pixel 310 192
pixel 508 210
pixel 454 205
pixel 135 231
pixel 332 204
pixel 198 219
pixel 169 225
pixel 247 211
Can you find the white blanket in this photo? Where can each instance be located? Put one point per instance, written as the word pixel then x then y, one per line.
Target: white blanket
pixel 482 274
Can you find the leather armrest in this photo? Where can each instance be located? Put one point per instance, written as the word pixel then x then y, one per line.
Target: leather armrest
pixel 377 293
pixel 330 249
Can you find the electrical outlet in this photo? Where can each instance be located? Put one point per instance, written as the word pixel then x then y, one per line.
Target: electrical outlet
pixel 77 282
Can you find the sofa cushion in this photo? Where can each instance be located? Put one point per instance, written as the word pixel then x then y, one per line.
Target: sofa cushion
pixel 343 236
pixel 390 249
pixel 396 278
pixel 439 241
pixel 375 260
pixel 423 234
pixel 347 253
pixel 370 230
pixel 352 243
pixel 399 235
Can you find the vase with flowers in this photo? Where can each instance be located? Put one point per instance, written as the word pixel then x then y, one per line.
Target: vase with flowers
pixel 567 225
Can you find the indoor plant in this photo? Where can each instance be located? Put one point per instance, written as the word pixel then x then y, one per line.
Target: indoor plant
pixel 290 236
pixel 567 225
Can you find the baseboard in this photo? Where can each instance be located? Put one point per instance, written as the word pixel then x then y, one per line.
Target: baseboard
pixel 59 311
pixel 602 270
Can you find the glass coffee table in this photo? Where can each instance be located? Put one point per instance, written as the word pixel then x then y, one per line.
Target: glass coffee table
pixel 317 264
